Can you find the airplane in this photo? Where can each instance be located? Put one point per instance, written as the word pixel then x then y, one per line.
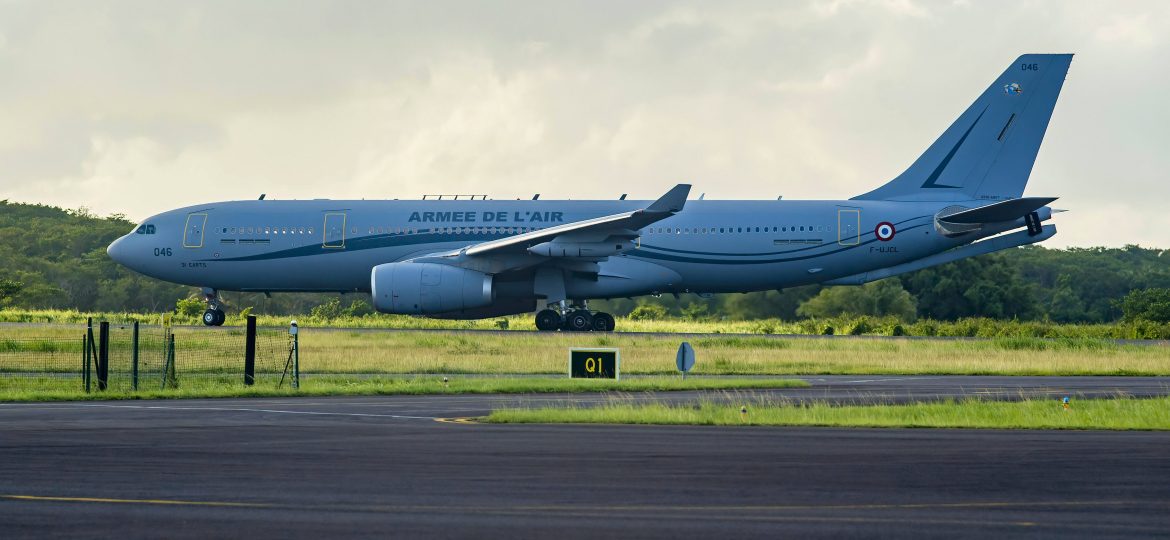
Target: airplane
pixel 473 257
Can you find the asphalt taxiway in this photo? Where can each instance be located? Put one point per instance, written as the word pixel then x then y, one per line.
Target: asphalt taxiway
pixel 405 466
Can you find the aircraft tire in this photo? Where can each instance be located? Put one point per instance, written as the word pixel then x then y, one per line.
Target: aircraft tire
pixel 220 317
pixel 579 321
pixel 603 322
pixel 548 320
pixel 211 317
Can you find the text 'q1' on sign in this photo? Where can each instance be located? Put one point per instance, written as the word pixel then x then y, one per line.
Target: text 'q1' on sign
pixel 594 364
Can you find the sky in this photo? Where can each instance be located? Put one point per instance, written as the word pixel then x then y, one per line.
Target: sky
pixel 139 107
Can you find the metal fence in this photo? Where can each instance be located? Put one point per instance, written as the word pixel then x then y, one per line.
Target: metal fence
pixel 129 357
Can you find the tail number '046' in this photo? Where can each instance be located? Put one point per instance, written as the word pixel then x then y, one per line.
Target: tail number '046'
pixel 162 252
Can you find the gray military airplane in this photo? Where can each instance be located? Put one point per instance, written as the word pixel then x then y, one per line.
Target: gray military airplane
pixel 471 257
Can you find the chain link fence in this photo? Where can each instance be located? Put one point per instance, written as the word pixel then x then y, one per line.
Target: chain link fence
pixel 47 358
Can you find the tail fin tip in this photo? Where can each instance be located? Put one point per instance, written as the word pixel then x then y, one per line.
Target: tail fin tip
pixel 989 151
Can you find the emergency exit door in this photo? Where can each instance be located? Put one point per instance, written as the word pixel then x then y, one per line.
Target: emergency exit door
pixel 334 230
pixel 848 226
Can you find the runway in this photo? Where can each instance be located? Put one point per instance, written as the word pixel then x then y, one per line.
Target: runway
pixel 387 466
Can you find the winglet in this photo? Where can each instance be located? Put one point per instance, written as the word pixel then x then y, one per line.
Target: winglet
pixel 673 201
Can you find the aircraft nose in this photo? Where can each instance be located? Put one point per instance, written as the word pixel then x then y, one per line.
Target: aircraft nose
pixel 118 250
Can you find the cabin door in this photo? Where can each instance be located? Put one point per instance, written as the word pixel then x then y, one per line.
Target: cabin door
pixel 334 230
pixel 193 231
pixel 848 226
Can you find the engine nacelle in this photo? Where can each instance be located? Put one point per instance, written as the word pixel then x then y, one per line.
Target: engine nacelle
pixel 428 288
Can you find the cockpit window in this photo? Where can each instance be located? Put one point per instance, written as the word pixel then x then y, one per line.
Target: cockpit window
pixel 145 228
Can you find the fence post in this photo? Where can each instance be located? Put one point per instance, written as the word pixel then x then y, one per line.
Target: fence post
pixel 134 358
pixel 250 353
pixel 296 380
pixel 103 367
pixel 169 379
pixel 85 361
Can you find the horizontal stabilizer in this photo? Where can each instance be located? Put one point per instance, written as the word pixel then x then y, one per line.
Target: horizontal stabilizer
pixel 990 245
pixel 1009 210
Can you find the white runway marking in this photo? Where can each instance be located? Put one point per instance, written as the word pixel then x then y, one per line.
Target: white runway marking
pixel 887 380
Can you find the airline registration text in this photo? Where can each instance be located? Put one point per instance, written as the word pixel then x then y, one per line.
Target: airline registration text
pixel 486 217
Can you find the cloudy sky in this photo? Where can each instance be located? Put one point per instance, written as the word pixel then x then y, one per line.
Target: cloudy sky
pixel 137 107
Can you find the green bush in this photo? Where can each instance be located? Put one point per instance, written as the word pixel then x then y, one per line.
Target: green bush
pixel 1146 305
pixel 328 311
pixel 648 312
pixel 861 327
pixel 192 306
pixel 358 308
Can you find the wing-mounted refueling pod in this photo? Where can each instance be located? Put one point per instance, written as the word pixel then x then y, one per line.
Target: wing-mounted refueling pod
pixel 958 220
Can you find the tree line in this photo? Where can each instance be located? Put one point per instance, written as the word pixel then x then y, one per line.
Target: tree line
pixel 53 258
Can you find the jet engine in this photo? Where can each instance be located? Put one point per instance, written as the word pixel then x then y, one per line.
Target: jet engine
pixel 428 288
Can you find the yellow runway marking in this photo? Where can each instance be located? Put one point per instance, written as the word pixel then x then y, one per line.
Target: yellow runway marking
pixel 457 420
pixel 136 501
pixel 592 509
pixel 863 513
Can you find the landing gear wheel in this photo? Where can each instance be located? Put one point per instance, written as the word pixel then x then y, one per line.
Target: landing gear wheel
pixel 214 317
pixel 603 322
pixel 548 320
pixel 579 321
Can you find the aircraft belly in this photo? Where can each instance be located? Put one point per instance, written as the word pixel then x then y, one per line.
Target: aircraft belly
pixel 624 276
pixel 337 271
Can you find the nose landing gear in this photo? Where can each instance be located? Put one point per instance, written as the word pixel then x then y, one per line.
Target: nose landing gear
pixel 575 318
pixel 214 316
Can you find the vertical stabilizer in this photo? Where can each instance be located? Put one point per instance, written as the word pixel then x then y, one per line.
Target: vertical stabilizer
pixel 989 151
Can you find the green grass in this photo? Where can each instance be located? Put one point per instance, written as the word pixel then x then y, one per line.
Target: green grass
pixel 324 351
pixel 1111 414
pixel 840 325
pixel 69 389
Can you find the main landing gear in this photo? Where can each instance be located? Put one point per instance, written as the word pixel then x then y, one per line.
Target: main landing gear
pixel 576 318
pixel 214 316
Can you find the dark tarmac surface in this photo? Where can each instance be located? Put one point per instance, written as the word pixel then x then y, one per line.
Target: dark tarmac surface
pixel 398 466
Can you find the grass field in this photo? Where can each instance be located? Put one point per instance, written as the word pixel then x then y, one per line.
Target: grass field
pixel 56 348
pixel 59 389
pixel 1112 414
pixel 840 325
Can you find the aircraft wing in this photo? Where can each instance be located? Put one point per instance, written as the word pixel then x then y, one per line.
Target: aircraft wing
pixel 589 240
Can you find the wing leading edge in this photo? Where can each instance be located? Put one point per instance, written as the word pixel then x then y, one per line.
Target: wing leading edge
pixel 591 239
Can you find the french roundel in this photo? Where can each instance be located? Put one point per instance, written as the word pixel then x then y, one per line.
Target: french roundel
pixel 884 231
